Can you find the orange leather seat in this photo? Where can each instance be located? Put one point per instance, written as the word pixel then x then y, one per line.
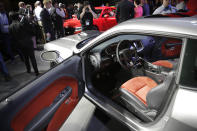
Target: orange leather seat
pixel 163 63
pixel 143 96
pixel 139 87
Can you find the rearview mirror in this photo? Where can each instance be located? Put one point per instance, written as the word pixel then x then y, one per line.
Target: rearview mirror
pixel 50 56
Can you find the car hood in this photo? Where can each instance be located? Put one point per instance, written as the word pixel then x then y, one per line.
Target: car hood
pixel 67 45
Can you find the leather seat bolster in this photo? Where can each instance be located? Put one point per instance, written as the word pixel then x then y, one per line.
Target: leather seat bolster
pixel 131 99
pixel 156 95
pixel 133 104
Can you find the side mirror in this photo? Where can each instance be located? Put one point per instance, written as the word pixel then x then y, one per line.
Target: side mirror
pixel 50 56
pixel 106 16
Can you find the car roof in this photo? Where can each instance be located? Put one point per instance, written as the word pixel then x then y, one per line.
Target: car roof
pixel 175 27
pixel 184 26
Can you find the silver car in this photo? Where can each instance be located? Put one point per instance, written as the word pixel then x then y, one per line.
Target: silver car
pixel 64 46
pixel 141 72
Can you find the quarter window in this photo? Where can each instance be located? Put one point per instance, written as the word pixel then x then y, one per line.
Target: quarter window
pixel 189 67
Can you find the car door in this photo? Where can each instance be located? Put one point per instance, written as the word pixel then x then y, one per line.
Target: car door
pixel 101 22
pixel 46 102
pixel 111 20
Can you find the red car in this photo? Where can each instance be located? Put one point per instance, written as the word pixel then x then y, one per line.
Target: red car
pixel 106 19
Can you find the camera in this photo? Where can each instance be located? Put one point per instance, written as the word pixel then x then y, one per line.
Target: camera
pixel 86 3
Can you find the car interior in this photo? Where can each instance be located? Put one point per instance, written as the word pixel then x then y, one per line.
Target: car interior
pixel 134 71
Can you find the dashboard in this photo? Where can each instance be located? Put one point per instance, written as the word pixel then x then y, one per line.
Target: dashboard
pixel 104 55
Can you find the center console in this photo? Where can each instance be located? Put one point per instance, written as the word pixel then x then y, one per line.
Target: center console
pixel 155 72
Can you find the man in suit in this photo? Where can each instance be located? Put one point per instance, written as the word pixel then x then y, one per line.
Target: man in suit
pixel 47 21
pixel 22 33
pixel 124 11
pixel 22 9
pixel 57 16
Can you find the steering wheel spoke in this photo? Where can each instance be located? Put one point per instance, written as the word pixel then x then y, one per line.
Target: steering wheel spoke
pixel 124 56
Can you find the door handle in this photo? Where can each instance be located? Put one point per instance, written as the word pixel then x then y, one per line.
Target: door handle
pixel 42 119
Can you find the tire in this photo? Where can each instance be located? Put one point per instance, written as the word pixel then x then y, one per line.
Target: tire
pixel 95 27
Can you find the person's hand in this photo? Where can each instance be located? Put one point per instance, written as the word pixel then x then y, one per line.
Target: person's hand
pixel 84 8
pixel 165 3
pixel 89 7
pixel 48 36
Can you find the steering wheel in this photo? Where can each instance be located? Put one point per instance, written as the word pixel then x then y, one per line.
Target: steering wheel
pixel 127 56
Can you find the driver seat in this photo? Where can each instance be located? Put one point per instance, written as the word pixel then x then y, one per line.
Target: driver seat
pixel 143 96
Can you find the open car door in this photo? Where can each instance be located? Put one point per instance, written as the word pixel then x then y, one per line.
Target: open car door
pixel 45 103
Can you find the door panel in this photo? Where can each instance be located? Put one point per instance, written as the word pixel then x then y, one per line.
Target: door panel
pixel 109 21
pixel 171 48
pixel 46 102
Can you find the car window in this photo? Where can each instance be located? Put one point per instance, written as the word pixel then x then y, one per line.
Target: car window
pixel 189 68
pixel 155 48
pixel 108 12
pixel 98 12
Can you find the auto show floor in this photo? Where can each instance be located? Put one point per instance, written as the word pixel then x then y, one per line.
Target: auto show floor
pixel 19 75
pixel 86 117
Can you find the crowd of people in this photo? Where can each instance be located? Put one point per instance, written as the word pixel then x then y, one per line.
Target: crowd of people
pixel 128 9
pixel 22 30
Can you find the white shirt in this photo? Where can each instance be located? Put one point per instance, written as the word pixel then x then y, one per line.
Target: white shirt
pixel 181 6
pixel 38 10
pixel 163 10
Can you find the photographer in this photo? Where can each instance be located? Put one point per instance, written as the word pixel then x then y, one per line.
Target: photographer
pixel 86 16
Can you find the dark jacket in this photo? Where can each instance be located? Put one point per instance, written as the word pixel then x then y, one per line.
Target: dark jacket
pixel 22 33
pixel 56 19
pixel 46 21
pixel 124 11
pixel 22 11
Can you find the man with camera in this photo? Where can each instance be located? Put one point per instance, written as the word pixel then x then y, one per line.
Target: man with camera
pixel 86 16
